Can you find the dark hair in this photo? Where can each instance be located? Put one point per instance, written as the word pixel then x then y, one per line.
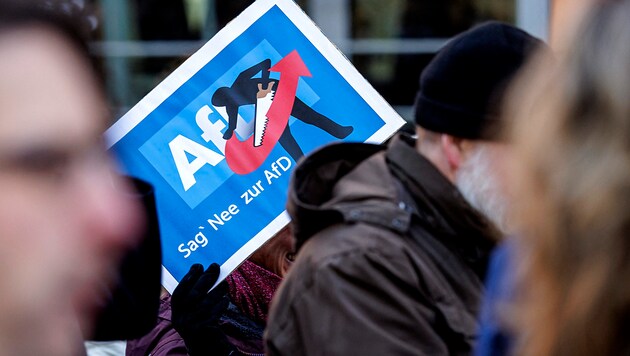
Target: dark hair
pixel 62 17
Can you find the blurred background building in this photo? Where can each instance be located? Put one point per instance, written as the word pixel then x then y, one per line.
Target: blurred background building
pixel 389 41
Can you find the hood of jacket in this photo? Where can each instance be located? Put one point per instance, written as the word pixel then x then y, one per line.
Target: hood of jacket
pixel 352 182
pixel 343 182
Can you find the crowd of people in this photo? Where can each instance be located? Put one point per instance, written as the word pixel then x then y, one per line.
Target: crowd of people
pixel 500 227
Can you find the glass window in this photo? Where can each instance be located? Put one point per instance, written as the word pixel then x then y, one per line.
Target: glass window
pixel 415 29
pixel 390 42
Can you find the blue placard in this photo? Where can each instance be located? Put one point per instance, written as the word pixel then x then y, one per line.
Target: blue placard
pixel 220 136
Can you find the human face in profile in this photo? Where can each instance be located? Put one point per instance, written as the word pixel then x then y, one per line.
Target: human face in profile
pixel 64 218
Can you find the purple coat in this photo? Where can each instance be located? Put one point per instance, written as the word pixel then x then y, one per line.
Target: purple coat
pixel 163 340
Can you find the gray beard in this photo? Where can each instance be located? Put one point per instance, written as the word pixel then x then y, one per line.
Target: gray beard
pixel 478 184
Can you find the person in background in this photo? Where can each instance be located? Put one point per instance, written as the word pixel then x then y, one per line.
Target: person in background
pixel 393 242
pixel 131 309
pixel 571 136
pixel 65 220
pixel 228 320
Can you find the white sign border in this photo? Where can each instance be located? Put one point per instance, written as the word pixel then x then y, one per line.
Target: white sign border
pixel 211 49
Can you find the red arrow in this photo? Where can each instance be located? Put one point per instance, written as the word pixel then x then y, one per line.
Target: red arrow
pixel 242 156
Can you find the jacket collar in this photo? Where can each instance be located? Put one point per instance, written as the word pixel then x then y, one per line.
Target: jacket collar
pixel 354 182
pixel 440 206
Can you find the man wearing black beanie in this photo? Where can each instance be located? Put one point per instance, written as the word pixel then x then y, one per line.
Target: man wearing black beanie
pixel 393 242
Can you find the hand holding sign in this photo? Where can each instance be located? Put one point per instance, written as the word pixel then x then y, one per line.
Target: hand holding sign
pixel 196 311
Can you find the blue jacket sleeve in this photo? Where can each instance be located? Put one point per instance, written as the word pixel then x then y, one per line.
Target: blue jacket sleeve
pixel 494 339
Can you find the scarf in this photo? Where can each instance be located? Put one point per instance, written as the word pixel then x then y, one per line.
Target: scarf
pixel 251 289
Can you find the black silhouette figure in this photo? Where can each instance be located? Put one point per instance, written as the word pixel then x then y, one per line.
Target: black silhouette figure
pixel 245 90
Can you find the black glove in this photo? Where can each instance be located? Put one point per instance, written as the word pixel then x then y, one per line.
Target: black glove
pixel 196 312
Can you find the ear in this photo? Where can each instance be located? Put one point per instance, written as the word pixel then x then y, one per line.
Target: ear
pixel 452 148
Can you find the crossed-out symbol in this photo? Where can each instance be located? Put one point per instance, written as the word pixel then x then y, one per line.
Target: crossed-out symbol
pixel 244 157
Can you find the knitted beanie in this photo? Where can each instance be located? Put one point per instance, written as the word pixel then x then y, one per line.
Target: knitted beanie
pixel 461 88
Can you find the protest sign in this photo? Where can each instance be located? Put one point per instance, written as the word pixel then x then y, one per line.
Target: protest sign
pixel 220 136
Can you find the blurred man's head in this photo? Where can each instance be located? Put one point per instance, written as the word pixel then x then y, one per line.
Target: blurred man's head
pixel 571 133
pixel 457 111
pixel 63 224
